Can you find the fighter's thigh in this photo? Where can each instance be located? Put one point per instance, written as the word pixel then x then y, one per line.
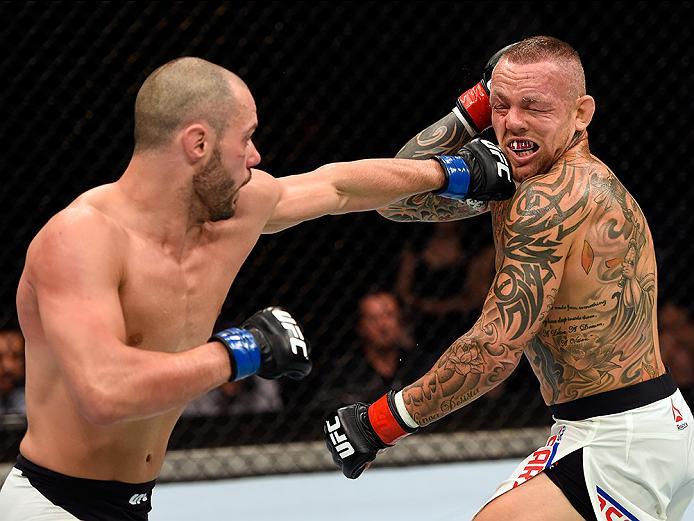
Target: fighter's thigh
pixel 538 499
pixel 19 501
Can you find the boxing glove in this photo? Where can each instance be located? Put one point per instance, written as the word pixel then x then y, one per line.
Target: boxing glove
pixel 472 106
pixel 479 171
pixel 356 433
pixel 269 344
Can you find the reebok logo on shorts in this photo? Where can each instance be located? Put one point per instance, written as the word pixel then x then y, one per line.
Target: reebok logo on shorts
pixel 677 415
pixel 611 509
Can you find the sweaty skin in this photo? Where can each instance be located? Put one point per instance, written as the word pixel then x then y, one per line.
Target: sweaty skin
pixel 575 288
pixel 120 290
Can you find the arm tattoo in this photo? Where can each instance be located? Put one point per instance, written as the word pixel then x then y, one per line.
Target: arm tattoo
pixel 538 221
pixel 472 365
pixel 532 240
pixel 446 136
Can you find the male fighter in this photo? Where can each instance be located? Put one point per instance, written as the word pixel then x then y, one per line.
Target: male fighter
pixel 575 290
pixel 121 289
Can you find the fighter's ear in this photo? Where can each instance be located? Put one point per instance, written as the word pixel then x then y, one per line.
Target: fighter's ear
pixel 195 139
pixel 585 108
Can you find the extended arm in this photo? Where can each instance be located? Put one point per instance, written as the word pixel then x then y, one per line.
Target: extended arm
pixel 479 170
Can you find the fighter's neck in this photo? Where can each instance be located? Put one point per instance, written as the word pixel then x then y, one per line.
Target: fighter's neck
pixel 578 146
pixel 158 201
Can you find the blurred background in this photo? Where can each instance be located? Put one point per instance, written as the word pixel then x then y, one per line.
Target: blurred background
pixel 338 81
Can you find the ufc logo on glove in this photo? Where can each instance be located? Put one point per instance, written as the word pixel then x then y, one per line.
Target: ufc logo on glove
pixel 344 448
pixel 502 163
pixel 297 337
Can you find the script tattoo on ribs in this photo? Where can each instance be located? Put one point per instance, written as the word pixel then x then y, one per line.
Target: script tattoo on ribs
pixel 607 340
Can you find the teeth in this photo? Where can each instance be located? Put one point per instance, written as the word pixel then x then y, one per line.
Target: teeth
pixel 521 145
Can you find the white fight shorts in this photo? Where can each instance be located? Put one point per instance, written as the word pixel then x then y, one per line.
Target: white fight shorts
pixel 637 463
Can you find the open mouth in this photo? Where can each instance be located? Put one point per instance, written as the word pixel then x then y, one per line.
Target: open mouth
pixel 523 147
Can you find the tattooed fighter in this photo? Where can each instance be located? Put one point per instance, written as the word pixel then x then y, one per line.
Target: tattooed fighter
pixel 575 291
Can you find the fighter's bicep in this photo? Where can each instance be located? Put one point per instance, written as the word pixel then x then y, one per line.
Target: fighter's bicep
pixel 521 295
pixel 303 197
pixel 536 236
pixel 76 272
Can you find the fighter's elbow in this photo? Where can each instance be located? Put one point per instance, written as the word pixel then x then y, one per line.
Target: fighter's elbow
pixel 100 406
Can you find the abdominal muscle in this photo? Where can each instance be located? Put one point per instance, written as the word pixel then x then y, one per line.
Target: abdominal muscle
pixel 60 439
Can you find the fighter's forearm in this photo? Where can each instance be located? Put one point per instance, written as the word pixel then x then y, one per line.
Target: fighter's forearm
pixel 148 383
pixel 368 184
pixel 471 366
pixel 446 136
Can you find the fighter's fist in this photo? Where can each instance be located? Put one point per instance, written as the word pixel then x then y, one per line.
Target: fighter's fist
pixel 480 171
pixel 472 106
pixel 356 433
pixel 270 343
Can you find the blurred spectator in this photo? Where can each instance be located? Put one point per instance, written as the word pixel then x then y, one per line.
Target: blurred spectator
pixel 387 356
pixel 676 332
pixel 11 372
pixel 250 395
pixel 444 284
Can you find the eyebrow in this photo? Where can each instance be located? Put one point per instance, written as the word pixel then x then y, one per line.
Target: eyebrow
pixel 529 100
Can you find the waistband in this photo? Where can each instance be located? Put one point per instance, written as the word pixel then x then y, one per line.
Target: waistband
pixel 90 499
pixel 617 400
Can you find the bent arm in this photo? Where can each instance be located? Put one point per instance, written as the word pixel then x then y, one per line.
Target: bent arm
pixel 76 273
pixel 446 136
pixel 537 236
pixel 351 187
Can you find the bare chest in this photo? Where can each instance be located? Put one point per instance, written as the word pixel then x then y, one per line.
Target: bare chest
pixel 172 305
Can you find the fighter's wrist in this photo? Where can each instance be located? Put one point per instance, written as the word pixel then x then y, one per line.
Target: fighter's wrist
pixel 386 421
pixel 243 350
pixel 457 182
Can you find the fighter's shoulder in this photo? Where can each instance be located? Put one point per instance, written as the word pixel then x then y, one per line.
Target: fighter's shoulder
pixel 262 192
pixel 78 231
pixel 559 199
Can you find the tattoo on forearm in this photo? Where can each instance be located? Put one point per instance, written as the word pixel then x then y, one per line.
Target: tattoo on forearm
pixel 446 136
pixel 443 137
pixel 468 369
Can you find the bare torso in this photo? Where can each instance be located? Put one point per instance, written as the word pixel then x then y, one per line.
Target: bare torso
pixel 601 331
pixel 169 300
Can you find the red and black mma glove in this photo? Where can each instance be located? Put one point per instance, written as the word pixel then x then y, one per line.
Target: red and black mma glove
pixel 478 172
pixel 270 344
pixel 356 433
pixel 472 106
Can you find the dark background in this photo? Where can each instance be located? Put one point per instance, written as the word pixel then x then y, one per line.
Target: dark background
pixel 333 81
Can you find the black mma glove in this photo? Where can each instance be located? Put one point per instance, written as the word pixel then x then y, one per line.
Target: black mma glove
pixel 472 106
pixel 480 171
pixel 356 433
pixel 269 344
